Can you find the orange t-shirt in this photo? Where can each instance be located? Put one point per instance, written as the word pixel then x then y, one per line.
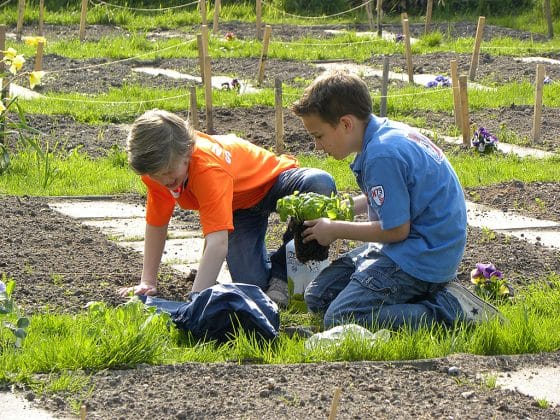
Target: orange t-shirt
pixel 223 175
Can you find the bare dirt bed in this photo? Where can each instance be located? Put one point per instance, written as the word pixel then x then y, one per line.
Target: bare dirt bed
pixel 60 265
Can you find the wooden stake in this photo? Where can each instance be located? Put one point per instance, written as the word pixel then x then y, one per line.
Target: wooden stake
pixel 3 81
pixel 83 19
pixel 548 16
pixel 334 404
pixel 192 108
pixel 202 4
pixel 384 88
pixel 39 57
pixel 369 13
pixel 408 50
pixel 456 93
pixel 21 12
pixel 259 19
pixel 217 6
pixel 264 55
pixel 200 55
pixel 379 10
pixel 41 17
pixel 83 412
pixel 465 126
pixel 539 82
pixel 207 81
pixel 279 113
pixel 476 51
pixel 429 8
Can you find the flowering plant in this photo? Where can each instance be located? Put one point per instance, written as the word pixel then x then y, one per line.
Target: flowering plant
pixel 489 282
pixel 484 141
pixel 439 81
pixel 229 36
pixel 13 62
pixel 547 80
pixel 399 38
pixel 8 308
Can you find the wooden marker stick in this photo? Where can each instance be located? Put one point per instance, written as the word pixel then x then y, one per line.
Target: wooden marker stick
pixel 41 17
pixel 264 55
pixel 217 6
pixel 476 51
pixel 21 12
pixel 465 126
pixel 384 88
pixel 456 93
pixel 279 114
pixel 429 8
pixel 537 116
pixel 83 19
pixel 408 50
pixel 39 57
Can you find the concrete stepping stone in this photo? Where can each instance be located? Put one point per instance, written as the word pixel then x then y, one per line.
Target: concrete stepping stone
pixel 540 383
pixel 538 60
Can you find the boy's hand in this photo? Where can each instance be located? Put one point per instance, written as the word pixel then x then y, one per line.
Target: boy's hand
pixel 320 230
pixel 140 289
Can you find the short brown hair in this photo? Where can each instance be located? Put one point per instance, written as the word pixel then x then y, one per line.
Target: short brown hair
pixel 156 140
pixel 333 95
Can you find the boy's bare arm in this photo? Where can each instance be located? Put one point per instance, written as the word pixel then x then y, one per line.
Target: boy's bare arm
pixel 360 204
pixel 326 231
pixel 213 256
pixel 154 243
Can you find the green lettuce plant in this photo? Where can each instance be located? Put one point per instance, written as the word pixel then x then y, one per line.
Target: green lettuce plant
pixel 310 206
pixel 9 311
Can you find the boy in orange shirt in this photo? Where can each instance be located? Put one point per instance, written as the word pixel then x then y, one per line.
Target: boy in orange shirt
pixel 232 183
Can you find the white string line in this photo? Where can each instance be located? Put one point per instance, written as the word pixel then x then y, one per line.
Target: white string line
pixel 122 60
pixel 93 101
pixel 317 17
pixel 5 3
pixel 137 9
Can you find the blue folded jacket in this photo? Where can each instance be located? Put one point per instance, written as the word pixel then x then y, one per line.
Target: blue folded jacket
pixel 216 312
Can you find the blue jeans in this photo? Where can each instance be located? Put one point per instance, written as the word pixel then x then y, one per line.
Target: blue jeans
pixel 248 260
pixel 368 288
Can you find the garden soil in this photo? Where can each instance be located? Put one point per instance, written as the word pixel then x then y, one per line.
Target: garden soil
pixel 60 265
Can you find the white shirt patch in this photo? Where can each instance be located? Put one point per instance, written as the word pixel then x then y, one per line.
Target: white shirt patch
pixel 377 194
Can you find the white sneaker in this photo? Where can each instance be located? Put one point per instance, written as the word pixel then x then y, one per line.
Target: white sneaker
pixel 278 292
pixel 475 309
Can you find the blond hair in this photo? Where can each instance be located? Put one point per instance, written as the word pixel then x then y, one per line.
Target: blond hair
pixel 156 140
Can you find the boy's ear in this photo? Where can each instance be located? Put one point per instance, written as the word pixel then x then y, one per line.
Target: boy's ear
pixel 347 122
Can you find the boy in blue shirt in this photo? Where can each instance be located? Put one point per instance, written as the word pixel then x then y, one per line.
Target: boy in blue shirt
pixel 416 230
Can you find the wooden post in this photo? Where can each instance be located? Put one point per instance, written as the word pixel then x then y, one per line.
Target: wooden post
pixel 193 109
pixel 476 51
pixel 379 10
pixel 21 12
pixel 207 81
pixel 279 114
pixel 83 19
pixel 539 82
pixel 408 50
pixel 548 16
pixel 465 126
pixel 456 93
pixel 334 403
pixel 83 412
pixel 39 57
pixel 259 19
pixel 41 17
pixel 384 85
pixel 264 55
pixel 369 13
pixel 203 12
pixel 429 8
pixel 404 15
pixel 217 6
pixel 200 55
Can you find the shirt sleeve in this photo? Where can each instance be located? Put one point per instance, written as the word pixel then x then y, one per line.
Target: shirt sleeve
pixel 213 189
pixel 159 203
pixel 387 192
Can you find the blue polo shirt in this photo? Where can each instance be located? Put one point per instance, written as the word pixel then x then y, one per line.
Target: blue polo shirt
pixel 406 177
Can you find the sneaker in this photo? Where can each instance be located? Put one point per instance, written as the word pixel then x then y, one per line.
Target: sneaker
pixel 474 308
pixel 278 292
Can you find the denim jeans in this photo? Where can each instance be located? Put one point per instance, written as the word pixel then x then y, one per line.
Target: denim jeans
pixel 368 288
pixel 248 260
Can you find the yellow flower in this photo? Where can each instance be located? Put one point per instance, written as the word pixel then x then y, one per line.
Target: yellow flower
pixel 9 54
pixel 35 78
pixel 17 63
pixel 2 107
pixel 34 40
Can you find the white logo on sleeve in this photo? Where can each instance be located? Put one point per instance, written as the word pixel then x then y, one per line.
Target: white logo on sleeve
pixel 377 195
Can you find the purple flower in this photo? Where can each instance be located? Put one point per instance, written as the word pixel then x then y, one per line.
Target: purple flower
pixel 486 271
pixel 483 140
pixel 547 80
pixel 440 78
pixel 431 84
pixel 399 38
pixel 2 287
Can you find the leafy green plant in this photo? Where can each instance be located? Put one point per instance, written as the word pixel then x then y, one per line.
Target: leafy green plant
pixel 310 206
pixel 8 309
